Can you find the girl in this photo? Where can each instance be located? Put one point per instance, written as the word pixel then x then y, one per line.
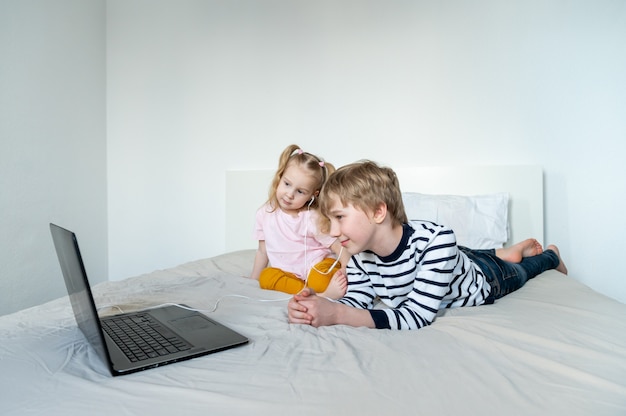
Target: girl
pixel 288 232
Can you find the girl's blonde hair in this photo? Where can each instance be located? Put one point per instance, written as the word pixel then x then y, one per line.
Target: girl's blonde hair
pixel 364 185
pixel 316 166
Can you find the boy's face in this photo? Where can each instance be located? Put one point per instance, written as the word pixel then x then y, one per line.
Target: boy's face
pixel 353 228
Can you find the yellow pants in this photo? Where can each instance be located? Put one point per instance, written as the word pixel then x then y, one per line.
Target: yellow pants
pixel 277 279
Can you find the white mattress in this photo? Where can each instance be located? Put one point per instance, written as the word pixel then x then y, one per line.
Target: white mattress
pixel 555 347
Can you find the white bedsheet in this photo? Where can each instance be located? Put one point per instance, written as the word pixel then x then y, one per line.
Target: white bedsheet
pixel 555 347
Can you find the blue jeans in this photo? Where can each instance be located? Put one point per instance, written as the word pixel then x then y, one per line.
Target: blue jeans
pixel 505 277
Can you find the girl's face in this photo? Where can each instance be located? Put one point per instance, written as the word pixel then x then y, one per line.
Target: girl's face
pixel 295 189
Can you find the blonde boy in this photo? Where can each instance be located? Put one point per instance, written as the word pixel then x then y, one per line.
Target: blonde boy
pixel 415 268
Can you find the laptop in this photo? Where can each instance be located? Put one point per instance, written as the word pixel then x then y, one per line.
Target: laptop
pixel 168 333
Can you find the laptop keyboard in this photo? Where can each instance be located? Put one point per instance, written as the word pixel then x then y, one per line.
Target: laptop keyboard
pixel 140 337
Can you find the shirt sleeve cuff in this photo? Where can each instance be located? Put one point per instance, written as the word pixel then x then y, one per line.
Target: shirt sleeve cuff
pixel 381 321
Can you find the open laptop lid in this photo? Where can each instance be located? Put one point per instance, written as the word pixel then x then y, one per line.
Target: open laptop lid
pixel 79 290
pixel 201 334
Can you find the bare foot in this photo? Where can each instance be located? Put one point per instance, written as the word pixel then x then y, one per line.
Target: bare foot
pixel 517 252
pixel 561 267
pixel 337 286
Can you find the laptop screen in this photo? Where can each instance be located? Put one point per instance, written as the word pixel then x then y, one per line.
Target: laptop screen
pixel 78 289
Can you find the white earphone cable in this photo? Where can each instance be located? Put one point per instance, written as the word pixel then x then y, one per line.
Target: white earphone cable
pixel 306 261
pixel 197 309
pixel 306 280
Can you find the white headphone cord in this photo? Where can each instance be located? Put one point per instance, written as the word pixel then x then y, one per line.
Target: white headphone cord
pixel 306 281
pixel 306 261
pixel 196 309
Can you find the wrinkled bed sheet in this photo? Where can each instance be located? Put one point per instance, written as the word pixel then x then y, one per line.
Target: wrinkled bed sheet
pixel 555 347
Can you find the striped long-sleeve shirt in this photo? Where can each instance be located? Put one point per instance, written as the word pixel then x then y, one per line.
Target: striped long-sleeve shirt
pixel 426 273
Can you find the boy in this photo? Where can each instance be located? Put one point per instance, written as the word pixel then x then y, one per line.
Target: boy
pixel 414 268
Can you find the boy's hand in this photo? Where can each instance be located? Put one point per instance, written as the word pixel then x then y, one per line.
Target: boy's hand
pixel 298 312
pixel 309 309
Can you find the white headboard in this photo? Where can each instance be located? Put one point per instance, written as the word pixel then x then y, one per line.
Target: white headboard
pixel 246 191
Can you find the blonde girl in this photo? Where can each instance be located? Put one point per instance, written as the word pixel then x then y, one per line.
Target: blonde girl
pixel 292 250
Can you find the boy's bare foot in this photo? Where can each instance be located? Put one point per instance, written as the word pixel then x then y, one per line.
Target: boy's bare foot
pixel 517 252
pixel 337 286
pixel 561 267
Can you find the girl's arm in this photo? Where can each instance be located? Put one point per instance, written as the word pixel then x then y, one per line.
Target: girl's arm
pixel 260 261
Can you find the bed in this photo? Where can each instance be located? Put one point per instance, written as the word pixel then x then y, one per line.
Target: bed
pixel 554 347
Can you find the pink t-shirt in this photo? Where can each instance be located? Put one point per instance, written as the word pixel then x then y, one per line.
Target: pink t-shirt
pixel 284 237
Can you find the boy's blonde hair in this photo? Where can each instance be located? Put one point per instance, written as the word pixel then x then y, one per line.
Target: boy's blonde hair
pixel 316 166
pixel 364 185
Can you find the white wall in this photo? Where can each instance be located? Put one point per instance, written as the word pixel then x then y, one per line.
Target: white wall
pixel 197 87
pixel 52 143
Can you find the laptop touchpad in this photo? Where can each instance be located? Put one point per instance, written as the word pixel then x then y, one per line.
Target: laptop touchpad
pixel 192 323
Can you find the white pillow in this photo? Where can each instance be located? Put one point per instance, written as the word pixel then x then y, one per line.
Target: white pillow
pixel 479 222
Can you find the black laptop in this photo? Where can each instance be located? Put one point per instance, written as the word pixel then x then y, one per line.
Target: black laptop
pixel 136 341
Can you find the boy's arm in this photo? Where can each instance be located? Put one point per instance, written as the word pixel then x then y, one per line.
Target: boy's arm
pixel 360 293
pixel 308 308
pixel 438 266
pixel 430 284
